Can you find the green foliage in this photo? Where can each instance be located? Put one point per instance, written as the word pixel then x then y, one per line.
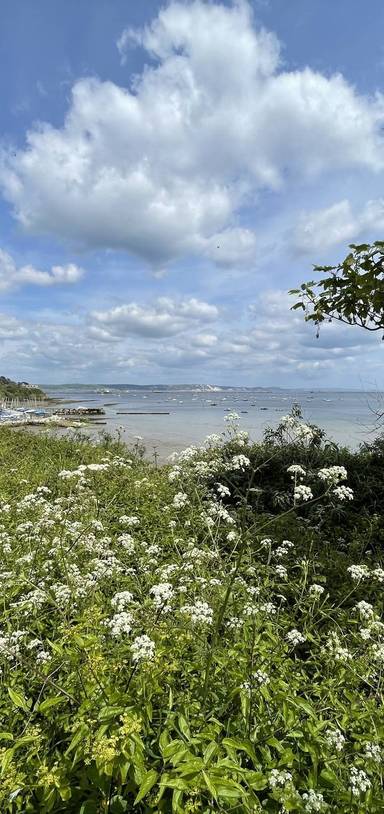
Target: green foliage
pixel 19 390
pixel 352 293
pixel 254 691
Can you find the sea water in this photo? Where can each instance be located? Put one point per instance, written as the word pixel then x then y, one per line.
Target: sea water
pixel 190 413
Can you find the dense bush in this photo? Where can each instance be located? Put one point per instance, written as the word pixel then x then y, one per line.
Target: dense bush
pixel 270 490
pixel 166 646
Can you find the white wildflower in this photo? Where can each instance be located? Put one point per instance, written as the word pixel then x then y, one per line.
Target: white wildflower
pixel 365 610
pixel 268 608
pixel 373 752
pixel 120 600
pixel 334 648
pixel 120 624
pixel 162 594
pixel 343 493
pixel 239 462
pixel 127 542
pixel 222 490
pixel 129 520
pixel 143 648
pixel 313 801
pixel 212 440
pixel 303 493
pixel 294 637
pixel 332 474
pixel 42 656
pixel 359 781
pixel 261 677
pixel 378 653
pixel 316 590
pixel 174 473
pixel 295 470
pixel 232 416
pixel 335 739
pixel 199 613
pixel 279 778
pixel 179 500
pixel 358 572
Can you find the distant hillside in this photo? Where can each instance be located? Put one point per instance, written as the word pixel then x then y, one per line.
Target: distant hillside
pixel 19 390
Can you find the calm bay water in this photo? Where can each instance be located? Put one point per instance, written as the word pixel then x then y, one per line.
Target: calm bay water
pixel 347 416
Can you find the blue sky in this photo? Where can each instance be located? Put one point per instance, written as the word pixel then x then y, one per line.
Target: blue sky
pixel 168 171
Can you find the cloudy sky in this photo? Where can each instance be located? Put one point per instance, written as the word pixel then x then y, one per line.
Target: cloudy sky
pixel 169 170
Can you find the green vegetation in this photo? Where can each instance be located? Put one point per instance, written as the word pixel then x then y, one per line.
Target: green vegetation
pixel 19 390
pixel 353 293
pixel 204 637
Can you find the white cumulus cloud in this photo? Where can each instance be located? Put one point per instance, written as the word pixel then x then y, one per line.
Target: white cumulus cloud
pixel 324 228
pixel 165 317
pixel 12 277
pixel 163 167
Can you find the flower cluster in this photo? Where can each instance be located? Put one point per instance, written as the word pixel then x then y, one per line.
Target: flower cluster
pixel 302 493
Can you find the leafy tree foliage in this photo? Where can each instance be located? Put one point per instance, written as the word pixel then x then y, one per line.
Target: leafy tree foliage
pixel 19 390
pixel 352 292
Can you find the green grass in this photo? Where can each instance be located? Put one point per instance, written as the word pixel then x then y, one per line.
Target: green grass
pixel 251 690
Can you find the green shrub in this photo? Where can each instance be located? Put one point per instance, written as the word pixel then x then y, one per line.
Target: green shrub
pixel 165 647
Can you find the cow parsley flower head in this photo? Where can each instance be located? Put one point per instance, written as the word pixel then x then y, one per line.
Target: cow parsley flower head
pixel 295 470
pixel 335 649
pixel 279 778
pixel 127 542
pixel 180 500
pixel 200 613
pixel 120 624
pixel 365 610
pixel 343 492
pixel 162 594
pixel 261 677
pixel 316 590
pixel 378 653
pixel 335 739
pixel 373 752
pixel 222 490
pixel 142 649
pixel 294 637
pixel 332 474
pixel 121 600
pixel 239 462
pixel 302 492
pixel 212 440
pixel 174 473
pixel 129 520
pixel 282 549
pixel 304 432
pixel 359 781
pixel 358 572
pixel 313 801
pixel 232 416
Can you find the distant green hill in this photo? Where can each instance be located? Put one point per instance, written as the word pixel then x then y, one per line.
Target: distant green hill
pixel 19 390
